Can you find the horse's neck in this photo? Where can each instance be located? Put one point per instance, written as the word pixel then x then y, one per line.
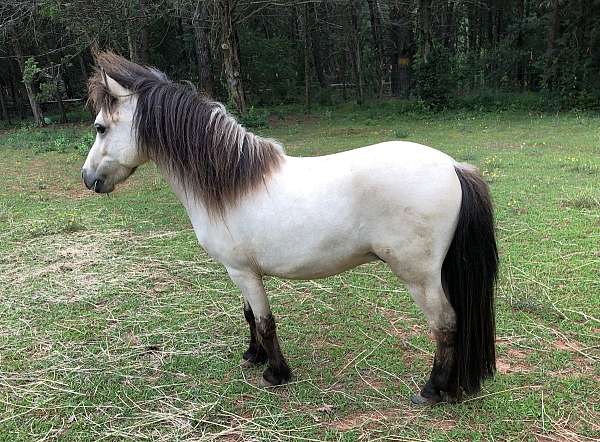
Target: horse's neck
pixel 195 208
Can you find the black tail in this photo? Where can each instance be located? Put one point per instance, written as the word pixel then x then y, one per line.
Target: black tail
pixel 469 277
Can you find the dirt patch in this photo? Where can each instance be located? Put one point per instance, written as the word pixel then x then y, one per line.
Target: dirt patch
pixel 58 258
pixel 403 326
pixel 513 362
pixel 565 429
pixel 392 415
pixel 410 331
pixel 360 420
pixel 348 131
pixel 563 344
pixel 583 363
pixel 553 438
pixel 68 268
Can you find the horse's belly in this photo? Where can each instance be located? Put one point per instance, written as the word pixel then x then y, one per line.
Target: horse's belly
pixel 315 265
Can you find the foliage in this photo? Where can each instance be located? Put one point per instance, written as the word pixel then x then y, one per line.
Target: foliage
pixel 434 79
pixel 270 67
pixel 48 90
pixel 31 70
pixel 473 49
pixel 254 118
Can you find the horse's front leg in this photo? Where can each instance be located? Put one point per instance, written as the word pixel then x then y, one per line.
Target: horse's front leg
pixel 264 330
pixel 256 354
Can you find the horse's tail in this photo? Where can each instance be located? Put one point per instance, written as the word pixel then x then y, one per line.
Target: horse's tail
pixel 469 277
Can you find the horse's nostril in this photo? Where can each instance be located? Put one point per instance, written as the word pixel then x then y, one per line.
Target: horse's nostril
pixel 98 186
pixel 88 179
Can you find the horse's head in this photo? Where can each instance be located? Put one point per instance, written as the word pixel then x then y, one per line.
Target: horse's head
pixel 114 155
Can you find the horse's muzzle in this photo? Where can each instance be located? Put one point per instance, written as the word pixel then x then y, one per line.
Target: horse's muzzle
pixel 94 182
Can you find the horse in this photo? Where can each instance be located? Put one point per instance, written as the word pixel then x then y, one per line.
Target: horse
pixel 260 213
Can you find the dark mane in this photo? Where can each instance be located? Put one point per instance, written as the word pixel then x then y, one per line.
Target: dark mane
pixel 214 157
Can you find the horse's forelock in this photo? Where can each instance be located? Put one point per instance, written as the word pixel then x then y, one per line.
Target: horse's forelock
pixel 130 75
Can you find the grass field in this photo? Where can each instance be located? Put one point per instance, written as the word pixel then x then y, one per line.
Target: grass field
pixel 114 324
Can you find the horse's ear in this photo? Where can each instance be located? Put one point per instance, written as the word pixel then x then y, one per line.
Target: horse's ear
pixel 114 88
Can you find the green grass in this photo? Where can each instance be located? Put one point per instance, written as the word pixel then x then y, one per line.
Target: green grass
pixel 115 325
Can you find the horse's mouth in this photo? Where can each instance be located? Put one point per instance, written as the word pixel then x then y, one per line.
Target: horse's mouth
pixel 100 185
pixel 133 169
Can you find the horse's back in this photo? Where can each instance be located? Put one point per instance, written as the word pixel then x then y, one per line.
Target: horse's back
pixel 390 179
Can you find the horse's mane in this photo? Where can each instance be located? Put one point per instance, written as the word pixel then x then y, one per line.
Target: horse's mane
pixel 204 147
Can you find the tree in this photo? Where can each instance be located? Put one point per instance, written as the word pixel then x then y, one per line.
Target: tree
pixel 303 25
pixel 29 70
pixel 402 48
pixel 200 24
pixel 376 30
pixel 270 51
pixel 231 55
pixel 355 50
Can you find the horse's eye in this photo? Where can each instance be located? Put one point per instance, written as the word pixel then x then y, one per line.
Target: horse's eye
pixel 99 128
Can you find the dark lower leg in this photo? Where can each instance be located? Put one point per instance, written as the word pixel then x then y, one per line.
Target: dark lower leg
pixel 443 381
pixel 278 371
pixel 255 354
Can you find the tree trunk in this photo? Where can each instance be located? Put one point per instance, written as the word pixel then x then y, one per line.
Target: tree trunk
pixel 201 43
pixel 59 100
pixel 5 115
pixel 15 94
pixel 131 43
pixel 316 38
pixel 38 117
pixel 522 62
pixel 144 33
pixel 14 90
pixel 425 41
pixel 403 47
pixel 231 57
pixel 355 52
pixel 303 17
pixel 449 31
pixel 341 69
pixel 552 34
pixel 376 29
pixel 473 41
pixel 57 80
pixel 84 74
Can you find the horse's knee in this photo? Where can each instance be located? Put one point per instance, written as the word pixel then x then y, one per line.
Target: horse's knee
pixel 255 354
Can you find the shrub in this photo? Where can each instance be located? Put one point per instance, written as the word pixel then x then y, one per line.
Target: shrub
pixel 254 118
pixel 434 79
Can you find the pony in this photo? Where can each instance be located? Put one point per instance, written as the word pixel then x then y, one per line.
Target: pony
pixel 261 212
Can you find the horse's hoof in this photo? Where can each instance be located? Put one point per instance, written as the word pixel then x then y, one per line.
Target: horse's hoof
pixel 448 397
pixel 264 383
pixel 253 359
pixel 270 379
pixel 245 363
pixel 421 401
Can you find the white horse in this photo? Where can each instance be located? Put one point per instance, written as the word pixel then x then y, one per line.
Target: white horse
pixel 260 212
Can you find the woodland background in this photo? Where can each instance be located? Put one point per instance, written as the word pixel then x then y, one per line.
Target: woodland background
pixel 436 54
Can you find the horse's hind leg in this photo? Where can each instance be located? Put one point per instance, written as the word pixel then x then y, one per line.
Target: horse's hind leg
pixel 252 288
pixel 430 297
pixel 256 354
pixel 443 383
